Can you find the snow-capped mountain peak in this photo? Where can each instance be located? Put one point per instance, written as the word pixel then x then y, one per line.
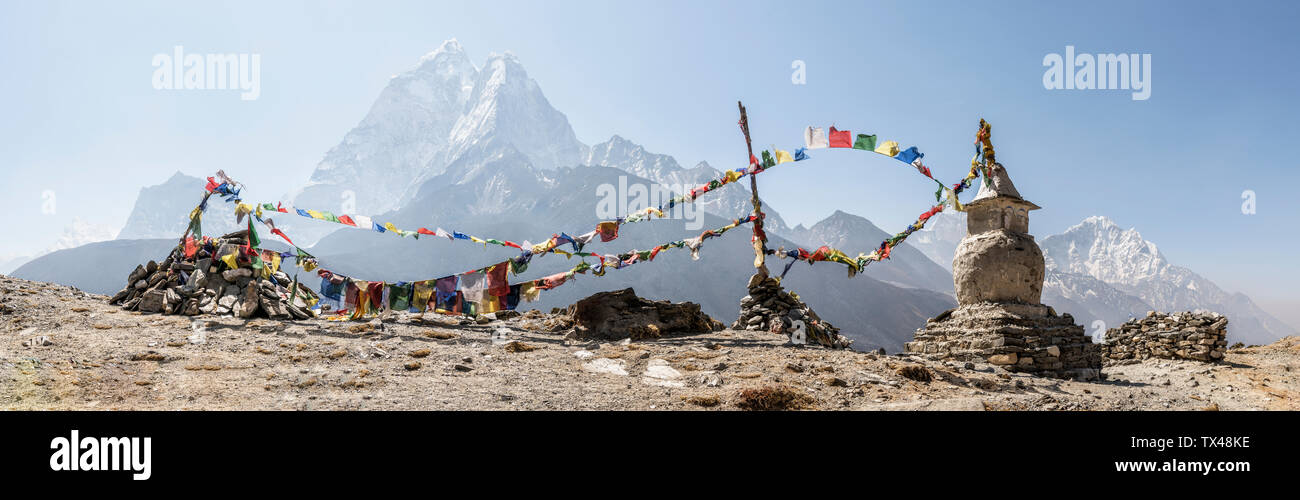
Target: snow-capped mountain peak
pixel 1098 247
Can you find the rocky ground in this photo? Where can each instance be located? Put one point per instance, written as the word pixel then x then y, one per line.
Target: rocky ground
pixel 61 348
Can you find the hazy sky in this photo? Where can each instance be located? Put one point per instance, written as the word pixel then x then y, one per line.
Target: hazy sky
pixel 78 114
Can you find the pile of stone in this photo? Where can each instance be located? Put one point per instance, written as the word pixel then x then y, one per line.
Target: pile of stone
pixel 768 307
pixel 1201 336
pixel 1018 337
pixel 204 284
pixel 622 314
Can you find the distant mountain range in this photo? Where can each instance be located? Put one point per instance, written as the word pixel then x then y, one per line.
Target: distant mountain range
pixel 1099 272
pixel 481 150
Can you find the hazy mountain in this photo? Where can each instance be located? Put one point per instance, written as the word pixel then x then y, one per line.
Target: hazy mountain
pixel 1089 300
pixel 97 267
pixel 939 238
pixel 163 211
pixel 1099 248
pixel 906 265
pixel 75 234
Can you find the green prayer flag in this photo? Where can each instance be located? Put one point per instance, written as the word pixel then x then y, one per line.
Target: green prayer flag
pixel 399 297
pixel 268 206
pixel 330 217
pixel 867 142
pixel 257 263
pixel 196 226
pixel 253 240
pixel 768 161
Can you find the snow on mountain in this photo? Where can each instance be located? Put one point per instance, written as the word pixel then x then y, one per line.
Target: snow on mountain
pixel 1099 248
pixel 80 232
pixel 729 201
pixel 431 117
pixel 506 103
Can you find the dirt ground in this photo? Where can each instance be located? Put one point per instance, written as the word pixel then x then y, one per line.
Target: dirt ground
pixel 62 349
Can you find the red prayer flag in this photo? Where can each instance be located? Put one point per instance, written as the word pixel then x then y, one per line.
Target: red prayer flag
pixel 280 233
pixel 420 230
pixel 841 138
pixel 212 185
pixel 348 220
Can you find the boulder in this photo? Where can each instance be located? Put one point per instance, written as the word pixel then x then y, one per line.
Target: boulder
pixel 152 301
pixel 248 303
pixel 622 314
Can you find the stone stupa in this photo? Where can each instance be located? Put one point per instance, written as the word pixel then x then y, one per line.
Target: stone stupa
pixel 998 272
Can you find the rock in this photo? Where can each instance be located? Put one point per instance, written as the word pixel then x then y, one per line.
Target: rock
pixel 709 379
pixel 248 304
pixel 1003 359
pixel 273 307
pixel 606 365
pixel 152 301
pixel 40 341
pixel 462 368
pixel 659 373
pixel 622 314
pixel 234 275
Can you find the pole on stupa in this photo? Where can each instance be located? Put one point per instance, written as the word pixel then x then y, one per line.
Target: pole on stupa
pixel 760 238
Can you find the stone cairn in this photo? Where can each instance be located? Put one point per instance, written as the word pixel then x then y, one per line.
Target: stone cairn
pixel 1201 336
pixel 768 307
pixel 998 273
pixel 206 285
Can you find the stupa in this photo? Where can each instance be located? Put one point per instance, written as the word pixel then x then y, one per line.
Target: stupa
pixel 1000 318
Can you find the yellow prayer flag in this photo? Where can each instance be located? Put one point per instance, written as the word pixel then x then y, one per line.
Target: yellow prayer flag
pixel 888 148
pixel 783 157
pixel 733 175
pixel 315 215
pixel 229 259
pixel 389 226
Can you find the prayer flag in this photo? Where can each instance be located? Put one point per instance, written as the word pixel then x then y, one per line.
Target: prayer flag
pixel 841 138
pixel 801 154
pixel 909 155
pixel 783 157
pixel 815 138
pixel 865 142
pixel 888 148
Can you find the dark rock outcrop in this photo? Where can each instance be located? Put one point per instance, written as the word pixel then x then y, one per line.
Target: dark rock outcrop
pixel 622 314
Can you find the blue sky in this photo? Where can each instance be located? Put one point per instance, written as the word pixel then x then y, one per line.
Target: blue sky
pixel 79 116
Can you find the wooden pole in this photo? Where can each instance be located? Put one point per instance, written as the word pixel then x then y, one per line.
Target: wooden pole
pixel 760 238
